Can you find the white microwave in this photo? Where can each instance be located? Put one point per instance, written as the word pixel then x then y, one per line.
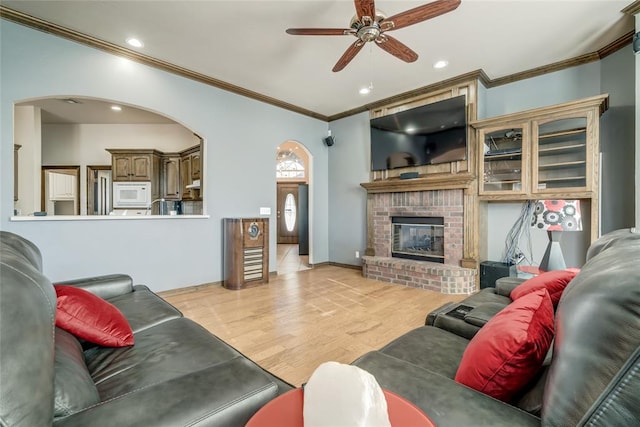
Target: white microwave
pixel 131 194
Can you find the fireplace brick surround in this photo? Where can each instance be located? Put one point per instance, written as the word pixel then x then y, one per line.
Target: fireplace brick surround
pixel 448 278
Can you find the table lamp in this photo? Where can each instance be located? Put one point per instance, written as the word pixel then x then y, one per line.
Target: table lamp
pixel 556 216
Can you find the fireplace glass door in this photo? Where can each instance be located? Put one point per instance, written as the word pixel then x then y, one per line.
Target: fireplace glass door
pixel 418 238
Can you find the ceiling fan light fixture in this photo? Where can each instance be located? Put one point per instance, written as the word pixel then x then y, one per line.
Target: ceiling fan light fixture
pixel 132 41
pixel 440 64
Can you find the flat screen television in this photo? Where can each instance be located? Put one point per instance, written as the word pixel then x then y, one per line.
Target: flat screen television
pixel 425 135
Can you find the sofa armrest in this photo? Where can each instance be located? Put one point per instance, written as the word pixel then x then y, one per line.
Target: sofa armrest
pixel 107 286
pixel 456 326
pixel 481 314
pixel 431 317
pixel 505 285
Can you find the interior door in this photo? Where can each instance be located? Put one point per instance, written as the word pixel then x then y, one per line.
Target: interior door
pixel 287 213
pixel 303 219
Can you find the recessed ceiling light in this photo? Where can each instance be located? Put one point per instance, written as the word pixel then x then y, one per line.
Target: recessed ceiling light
pixel 440 64
pixel 116 108
pixel 365 91
pixel 132 41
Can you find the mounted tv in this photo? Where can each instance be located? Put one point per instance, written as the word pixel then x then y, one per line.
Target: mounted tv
pixel 425 135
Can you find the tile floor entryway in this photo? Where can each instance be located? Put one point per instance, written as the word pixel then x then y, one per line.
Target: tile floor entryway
pixel 289 261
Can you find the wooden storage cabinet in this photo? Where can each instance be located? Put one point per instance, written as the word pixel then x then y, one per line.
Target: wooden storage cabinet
pixel 246 252
pixel 505 154
pixel 171 180
pixel 565 155
pixel 133 165
pixel 190 166
pixel 543 153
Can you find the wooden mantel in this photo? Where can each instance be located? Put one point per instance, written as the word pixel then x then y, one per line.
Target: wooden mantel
pixel 440 181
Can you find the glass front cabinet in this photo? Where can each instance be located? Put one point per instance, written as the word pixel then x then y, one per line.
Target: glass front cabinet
pixel 542 153
pixel 504 159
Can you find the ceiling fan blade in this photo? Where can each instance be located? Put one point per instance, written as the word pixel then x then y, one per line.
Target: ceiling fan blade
pixel 419 14
pixel 349 54
pixel 320 31
pixel 365 8
pixel 396 48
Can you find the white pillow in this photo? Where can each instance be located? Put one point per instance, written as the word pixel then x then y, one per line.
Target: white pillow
pixel 344 395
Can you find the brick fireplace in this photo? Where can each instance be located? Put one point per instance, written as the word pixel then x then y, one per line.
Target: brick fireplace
pixel 446 275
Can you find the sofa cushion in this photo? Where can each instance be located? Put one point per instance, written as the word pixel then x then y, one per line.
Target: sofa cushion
pixel 91 318
pixel 73 387
pixel 552 281
pixel 430 348
pixel 168 350
pixel 509 350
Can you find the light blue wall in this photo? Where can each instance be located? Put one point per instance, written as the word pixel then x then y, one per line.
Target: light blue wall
pixel 549 89
pixel 617 134
pixel 349 165
pixel 241 138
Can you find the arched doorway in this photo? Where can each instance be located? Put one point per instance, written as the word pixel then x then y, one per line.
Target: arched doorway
pixel 293 163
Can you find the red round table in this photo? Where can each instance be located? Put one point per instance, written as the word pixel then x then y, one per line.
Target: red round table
pixel 286 411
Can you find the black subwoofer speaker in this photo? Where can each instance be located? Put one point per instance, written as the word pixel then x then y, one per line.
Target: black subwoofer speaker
pixel 490 271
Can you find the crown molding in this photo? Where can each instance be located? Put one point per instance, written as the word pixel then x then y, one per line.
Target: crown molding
pixel 57 30
pixel 480 75
pixel 633 8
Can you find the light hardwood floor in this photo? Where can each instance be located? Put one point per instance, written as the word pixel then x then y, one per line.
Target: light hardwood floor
pixel 302 319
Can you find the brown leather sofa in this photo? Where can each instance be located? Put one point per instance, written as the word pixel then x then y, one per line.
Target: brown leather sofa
pixel 176 374
pixel 592 373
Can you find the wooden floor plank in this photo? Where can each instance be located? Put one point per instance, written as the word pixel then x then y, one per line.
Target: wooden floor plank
pixel 302 319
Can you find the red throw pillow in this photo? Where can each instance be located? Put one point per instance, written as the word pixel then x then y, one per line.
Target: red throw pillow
pixel 508 351
pixel 91 318
pixel 553 281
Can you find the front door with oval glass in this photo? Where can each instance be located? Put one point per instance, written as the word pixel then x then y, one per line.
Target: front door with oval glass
pixel 288 213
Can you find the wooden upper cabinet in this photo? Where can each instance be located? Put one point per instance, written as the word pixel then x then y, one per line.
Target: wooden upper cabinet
pixel 133 165
pixel 549 152
pixel 141 167
pixel 121 166
pixel 171 185
pixel 195 165
pixel 504 164
pixel 190 167
pixel 185 173
pixel 565 154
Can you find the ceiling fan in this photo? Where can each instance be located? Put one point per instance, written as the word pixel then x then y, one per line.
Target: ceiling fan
pixel 369 25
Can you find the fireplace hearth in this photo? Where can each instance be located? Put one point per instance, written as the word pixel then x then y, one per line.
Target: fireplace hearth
pixel 418 238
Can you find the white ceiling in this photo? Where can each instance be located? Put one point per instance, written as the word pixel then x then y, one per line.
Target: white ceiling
pixel 244 43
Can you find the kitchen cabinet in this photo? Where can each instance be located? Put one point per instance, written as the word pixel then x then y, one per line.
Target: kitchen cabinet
pixel 195 165
pixel 185 174
pixel 134 165
pixel 550 152
pixel 62 186
pixel 171 179
pixel 190 166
